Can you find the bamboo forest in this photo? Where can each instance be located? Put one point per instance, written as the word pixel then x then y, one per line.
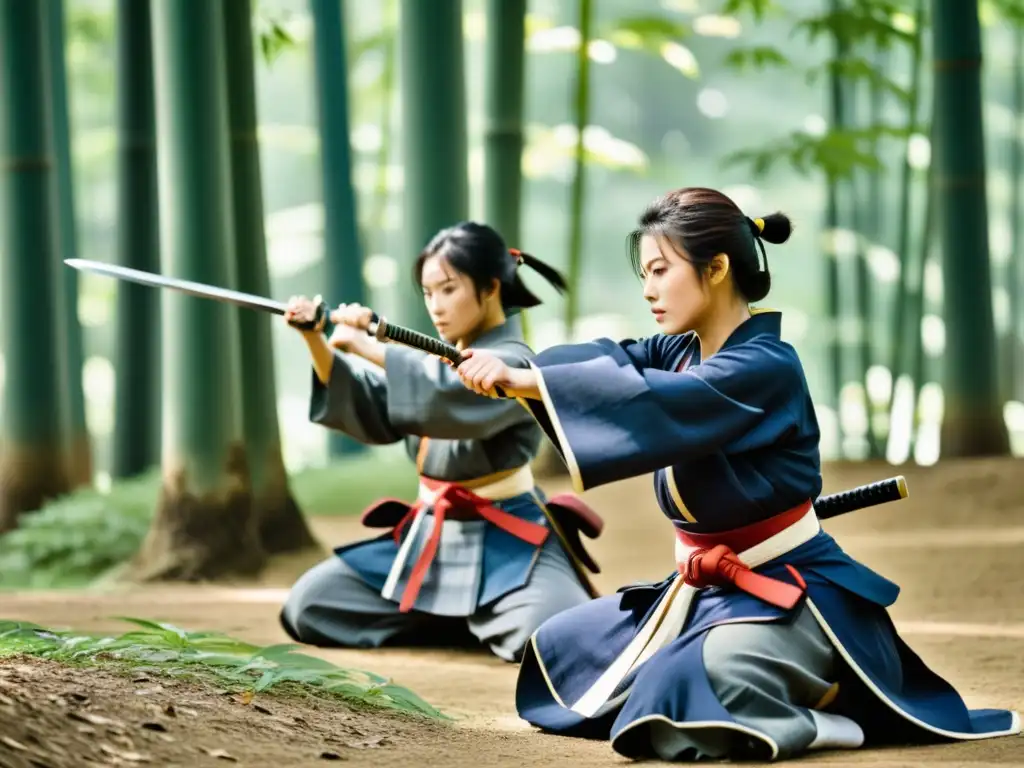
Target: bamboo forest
pixel 161 457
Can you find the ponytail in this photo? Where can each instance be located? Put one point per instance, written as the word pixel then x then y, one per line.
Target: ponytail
pixel 515 294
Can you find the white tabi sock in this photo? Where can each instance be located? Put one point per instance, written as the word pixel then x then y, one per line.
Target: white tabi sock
pixel 835 732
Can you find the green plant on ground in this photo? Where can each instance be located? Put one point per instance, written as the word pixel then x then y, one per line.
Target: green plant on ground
pixel 78 537
pixel 213 658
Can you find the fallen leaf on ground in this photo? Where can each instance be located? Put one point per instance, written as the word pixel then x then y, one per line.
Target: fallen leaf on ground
pixel 89 717
pixel 221 754
pixel 13 744
pixel 131 757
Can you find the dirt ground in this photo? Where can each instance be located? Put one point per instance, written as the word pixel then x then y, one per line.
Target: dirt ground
pixel 956 546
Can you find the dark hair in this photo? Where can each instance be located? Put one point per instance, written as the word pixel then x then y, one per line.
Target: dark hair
pixel 704 223
pixel 478 251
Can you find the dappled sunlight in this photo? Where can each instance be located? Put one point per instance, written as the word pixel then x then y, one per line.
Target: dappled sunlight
pixel 933 335
pixel 549 333
pixel 98 384
pixel 796 324
pixel 380 270
pixel 712 103
pixel 901 422
pixel 884 264
pixel 367 137
pixel 1001 309
pixel 933 281
pixel 304 443
pixel 1013 415
pixel 840 242
pixel 680 57
pixel 713 25
pixel 300 139
pixel 294 239
pixel 878 384
pixel 96 299
pixel 566 39
pixel 550 151
pixel 815 125
pixel 919 151
pixel 828 425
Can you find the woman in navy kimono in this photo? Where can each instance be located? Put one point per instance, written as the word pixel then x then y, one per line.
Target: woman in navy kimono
pixel 768 640
pixel 480 557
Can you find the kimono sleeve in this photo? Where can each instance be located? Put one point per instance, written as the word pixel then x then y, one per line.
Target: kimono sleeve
pixel 612 418
pixel 426 396
pixel 354 401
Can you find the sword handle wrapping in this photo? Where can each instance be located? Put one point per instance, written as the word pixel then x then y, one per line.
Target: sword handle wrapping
pixel 881 492
pixel 382 330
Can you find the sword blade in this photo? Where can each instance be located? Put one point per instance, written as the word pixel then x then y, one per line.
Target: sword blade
pixel 192 288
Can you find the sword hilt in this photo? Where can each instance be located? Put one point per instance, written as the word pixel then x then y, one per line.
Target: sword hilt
pixel 321 319
pixel 834 504
pixel 384 331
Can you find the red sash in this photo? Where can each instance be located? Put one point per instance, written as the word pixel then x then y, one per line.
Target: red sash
pixel 714 561
pixel 454 498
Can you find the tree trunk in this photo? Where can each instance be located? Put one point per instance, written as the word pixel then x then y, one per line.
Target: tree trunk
pixel 973 420
pixel 503 119
pixel 204 527
pixel 137 405
pixel 32 465
pixel 832 221
pixel 1015 265
pixel 897 362
pixel 343 260
pixel 433 132
pixel 79 446
pixel 577 203
pixel 282 527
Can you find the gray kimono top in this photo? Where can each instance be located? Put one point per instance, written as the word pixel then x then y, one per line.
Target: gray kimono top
pixel 417 395
pixel 417 398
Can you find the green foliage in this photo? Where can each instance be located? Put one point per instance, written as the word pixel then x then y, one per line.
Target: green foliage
pixel 758 57
pixel 217 658
pixel 273 38
pixel 840 152
pixel 1009 10
pixel 854 69
pixel 647 33
pixel 864 21
pixel 837 154
pixel 759 9
pixel 79 537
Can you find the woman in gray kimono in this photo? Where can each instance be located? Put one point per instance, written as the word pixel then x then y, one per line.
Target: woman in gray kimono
pixel 481 557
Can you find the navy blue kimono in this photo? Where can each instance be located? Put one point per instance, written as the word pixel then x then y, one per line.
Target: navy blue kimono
pixel 732 442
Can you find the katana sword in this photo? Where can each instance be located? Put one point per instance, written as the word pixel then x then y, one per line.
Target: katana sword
pixel 861 497
pixel 379 326
pixel 832 505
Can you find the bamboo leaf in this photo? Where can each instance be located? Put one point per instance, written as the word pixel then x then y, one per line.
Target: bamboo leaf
pixel 837 154
pixel 274 39
pixel 648 33
pixel 850 26
pixel 757 57
pixel 757 8
pixel 855 68
pixel 1009 10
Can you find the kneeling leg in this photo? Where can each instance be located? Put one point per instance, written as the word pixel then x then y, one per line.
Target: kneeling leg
pixel 506 625
pixel 330 606
pixel 776 679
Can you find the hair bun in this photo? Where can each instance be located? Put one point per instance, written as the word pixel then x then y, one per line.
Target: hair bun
pixel 775 228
